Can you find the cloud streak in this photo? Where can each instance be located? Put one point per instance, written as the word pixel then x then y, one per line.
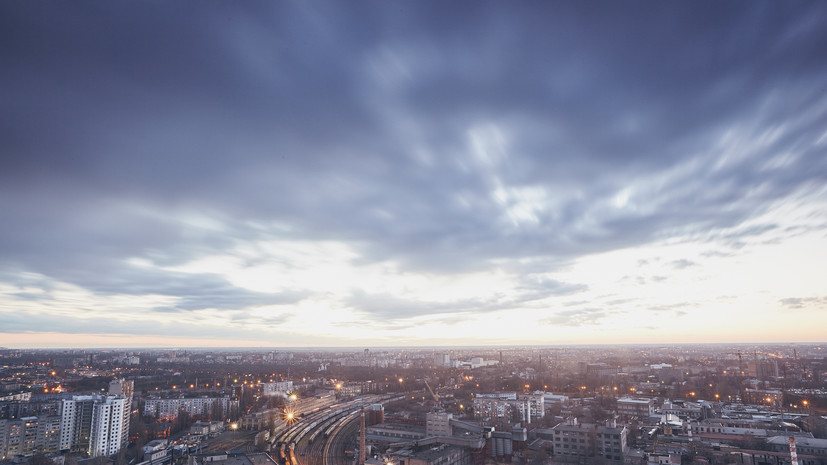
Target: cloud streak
pixel 385 166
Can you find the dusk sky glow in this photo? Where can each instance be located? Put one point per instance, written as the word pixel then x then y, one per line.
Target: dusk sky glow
pixel 389 173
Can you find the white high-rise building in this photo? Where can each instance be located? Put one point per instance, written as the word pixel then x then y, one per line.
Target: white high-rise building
pixel 124 388
pixel 97 425
pixel 75 421
pixel 109 426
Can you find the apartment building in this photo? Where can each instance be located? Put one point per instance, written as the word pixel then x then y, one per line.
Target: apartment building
pixel 169 408
pixel 95 424
pixel 504 406
pixel 575 441
pixel 28 436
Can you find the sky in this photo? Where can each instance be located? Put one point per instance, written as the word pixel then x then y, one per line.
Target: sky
pixel 403 173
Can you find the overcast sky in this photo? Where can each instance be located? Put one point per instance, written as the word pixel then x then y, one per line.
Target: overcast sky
pixel 374 173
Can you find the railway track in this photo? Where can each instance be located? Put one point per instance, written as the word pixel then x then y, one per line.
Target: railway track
pixel 322 437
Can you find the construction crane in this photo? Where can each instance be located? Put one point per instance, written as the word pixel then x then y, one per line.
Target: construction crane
pixel 740 361
pixel 435 396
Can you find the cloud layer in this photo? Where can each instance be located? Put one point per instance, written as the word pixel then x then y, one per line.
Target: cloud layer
pixel 316 174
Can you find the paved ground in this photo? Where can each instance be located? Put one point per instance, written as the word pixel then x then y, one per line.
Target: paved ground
pixel 231 440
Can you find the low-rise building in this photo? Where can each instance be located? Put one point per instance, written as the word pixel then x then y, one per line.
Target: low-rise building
pixel 811 451
pixel 231 459
pixel 635 407
pixel 395 432
pixel 441 454
pixel 438 424
pixel 207 428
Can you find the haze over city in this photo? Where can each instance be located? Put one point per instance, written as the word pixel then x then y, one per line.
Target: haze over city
pixel 302 174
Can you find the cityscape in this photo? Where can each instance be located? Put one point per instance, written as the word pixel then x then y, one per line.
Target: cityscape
pixel 601 405
pixel 413 232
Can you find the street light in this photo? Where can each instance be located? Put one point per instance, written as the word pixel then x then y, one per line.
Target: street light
pixel 234 426
pixel 289 417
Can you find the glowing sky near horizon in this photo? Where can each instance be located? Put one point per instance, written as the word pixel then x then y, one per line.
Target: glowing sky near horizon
pixel 385 173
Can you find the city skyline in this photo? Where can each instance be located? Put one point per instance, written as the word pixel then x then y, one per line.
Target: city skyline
pixel 418 174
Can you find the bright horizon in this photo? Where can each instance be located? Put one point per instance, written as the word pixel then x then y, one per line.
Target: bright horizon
pixel 306 175
pixel 359 349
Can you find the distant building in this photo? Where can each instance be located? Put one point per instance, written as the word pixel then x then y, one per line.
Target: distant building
pixel 768 397
pixel 12 410
pixel 610 442
pixel 280 388
pixel 169 408
pixel 811 451
pixel 504 406
pixel 442 454
pixel 550 399
pixel 22 396
pixel 573 440
pixel 442 360
pixel 683 410
pixel 600 370
pixel 375 414
pixel 231 459
pixel 438 424
pixel 395 432
pixel 260 420
pixel 28 436
pixel 635 407
pixel 350 390
pixel 206 428
pixel 502 445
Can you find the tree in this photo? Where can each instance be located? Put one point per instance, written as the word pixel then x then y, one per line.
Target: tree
pixel 182 422
pixel 216 411
pixel 120 457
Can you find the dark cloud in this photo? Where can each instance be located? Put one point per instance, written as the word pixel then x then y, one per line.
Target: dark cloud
pixel 682 263
pixel 194 291
pixel 542 288
pixel 442 137
pixel 799 303
pixel 23 323
pixel 387 308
